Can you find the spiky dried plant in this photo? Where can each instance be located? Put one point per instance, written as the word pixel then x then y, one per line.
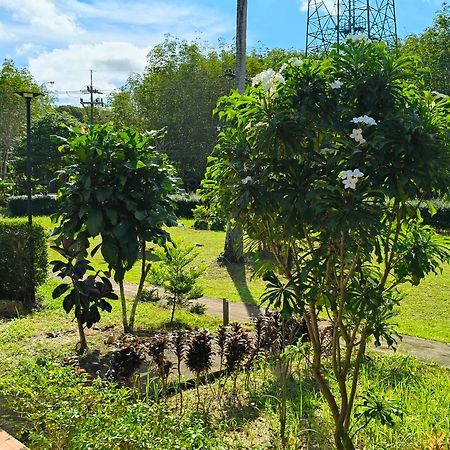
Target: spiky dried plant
pixel 238 347
pixel 156 349
pixel 199 353
pixel 221 339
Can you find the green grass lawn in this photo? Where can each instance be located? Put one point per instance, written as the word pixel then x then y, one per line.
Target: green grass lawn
pixel 425 312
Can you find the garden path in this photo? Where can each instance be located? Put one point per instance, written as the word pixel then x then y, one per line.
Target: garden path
pixel 423 349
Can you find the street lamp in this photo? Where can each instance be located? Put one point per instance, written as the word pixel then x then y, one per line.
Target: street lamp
pixel 28 96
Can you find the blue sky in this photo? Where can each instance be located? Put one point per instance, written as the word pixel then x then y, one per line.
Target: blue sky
pixel 60 40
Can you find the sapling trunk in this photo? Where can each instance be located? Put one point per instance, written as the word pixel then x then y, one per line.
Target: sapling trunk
pixel 124 307
pixel 144 272
pixel 82 344
pixel 174 304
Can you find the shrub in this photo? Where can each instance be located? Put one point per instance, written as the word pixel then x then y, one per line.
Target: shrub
pixel 41 205
pixel 205 218
pixel 441 217
pixel 185 204
pixel 21 271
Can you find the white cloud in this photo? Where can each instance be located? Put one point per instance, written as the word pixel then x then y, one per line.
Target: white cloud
pixel 329 5
pixel 112 63
pixel 63 39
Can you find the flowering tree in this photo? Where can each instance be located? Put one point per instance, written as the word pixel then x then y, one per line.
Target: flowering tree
pixel 318 162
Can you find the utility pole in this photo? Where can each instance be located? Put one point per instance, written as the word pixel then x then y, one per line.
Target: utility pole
pixel 92 102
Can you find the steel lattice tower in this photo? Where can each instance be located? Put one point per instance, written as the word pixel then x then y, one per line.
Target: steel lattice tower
pixel 332 21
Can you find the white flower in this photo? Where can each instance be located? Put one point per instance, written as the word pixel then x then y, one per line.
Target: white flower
pixel 296 62
pixel 248 126
pixel 364 119
pixel 247 179
pixel 439 94
pixel 357 136
pixel 336 84
pixel 350 178
pixel 356 37
pixel 279 78
pixel 283 67
pixel 269 80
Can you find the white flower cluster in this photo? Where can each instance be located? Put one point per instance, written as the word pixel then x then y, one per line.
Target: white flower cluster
pixel 247 179
pixel 356 37
pixel 336 84
pixel 439 94
pixel 269 80
pixel 296 62
pixel 357 136
pixel 350 178
pixel 364 119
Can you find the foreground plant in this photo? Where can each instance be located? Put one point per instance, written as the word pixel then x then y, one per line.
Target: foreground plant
pixel 320 172
pixel 86 294
pixel 116 186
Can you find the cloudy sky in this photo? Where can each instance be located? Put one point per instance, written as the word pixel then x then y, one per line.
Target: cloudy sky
pixel 61 40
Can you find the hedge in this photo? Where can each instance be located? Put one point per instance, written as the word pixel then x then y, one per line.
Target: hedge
pixel 441 219
pixel 184 204
pixel 21 271
pixel 41 205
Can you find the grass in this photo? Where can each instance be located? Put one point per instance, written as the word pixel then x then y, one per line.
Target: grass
pixel 423 313
pixel 60 407
pixel 27 336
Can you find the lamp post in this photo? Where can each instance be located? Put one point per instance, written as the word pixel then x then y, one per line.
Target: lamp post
pixel 28 96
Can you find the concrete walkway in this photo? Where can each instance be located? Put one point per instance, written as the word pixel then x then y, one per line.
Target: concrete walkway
pixel 423 349
pixel 7 442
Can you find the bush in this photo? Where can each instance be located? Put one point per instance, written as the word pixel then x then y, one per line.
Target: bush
pixel 205 218
pixel 184 205
pixel 20 270
pixel 441 218
pixel 41 205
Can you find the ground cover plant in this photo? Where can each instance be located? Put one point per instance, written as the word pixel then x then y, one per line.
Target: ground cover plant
pixel 318 162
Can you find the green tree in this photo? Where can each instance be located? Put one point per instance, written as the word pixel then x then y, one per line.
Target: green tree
pixel 118 188
pixel 12 108
pixel 179 91
pixel 175 273
pixel 318 162
pixel 433 48
pixel 47 159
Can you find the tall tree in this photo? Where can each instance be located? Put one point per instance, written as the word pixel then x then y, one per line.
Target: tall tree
pixel 12 108
pixel 233 249
pixel 433 48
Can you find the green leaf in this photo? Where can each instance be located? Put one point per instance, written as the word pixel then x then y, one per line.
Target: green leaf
pixel 59 290
pixel 94 222
pixel 110 252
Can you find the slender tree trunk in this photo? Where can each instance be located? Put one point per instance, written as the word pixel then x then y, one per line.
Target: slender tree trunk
pixel 233 250
pixel 174 304
pixel 144 272
pixel 82 344
pixel 123 300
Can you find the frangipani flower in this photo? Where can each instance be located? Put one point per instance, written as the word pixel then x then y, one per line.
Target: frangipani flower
pixel 357 136
pixel 269 80
pixel 350 178
pixel 336 84
pixel 439 94
pixel 364 119
pixel 296 62
pixel 356 37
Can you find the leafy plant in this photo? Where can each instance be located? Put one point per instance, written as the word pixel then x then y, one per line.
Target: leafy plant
pixel 318 163
pixel 198 308
pixel 86 294
pixel 118 188
pixel 175 273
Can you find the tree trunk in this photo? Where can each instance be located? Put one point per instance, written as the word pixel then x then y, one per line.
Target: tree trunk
pixel 174 304
pixel 123 300
pixel 233 250
pixel 144 272
pixel 82 345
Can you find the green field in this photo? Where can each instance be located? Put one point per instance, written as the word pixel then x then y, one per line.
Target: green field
pixel 425 312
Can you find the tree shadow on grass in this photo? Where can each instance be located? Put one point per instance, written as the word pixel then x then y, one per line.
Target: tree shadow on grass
pixel 237 273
